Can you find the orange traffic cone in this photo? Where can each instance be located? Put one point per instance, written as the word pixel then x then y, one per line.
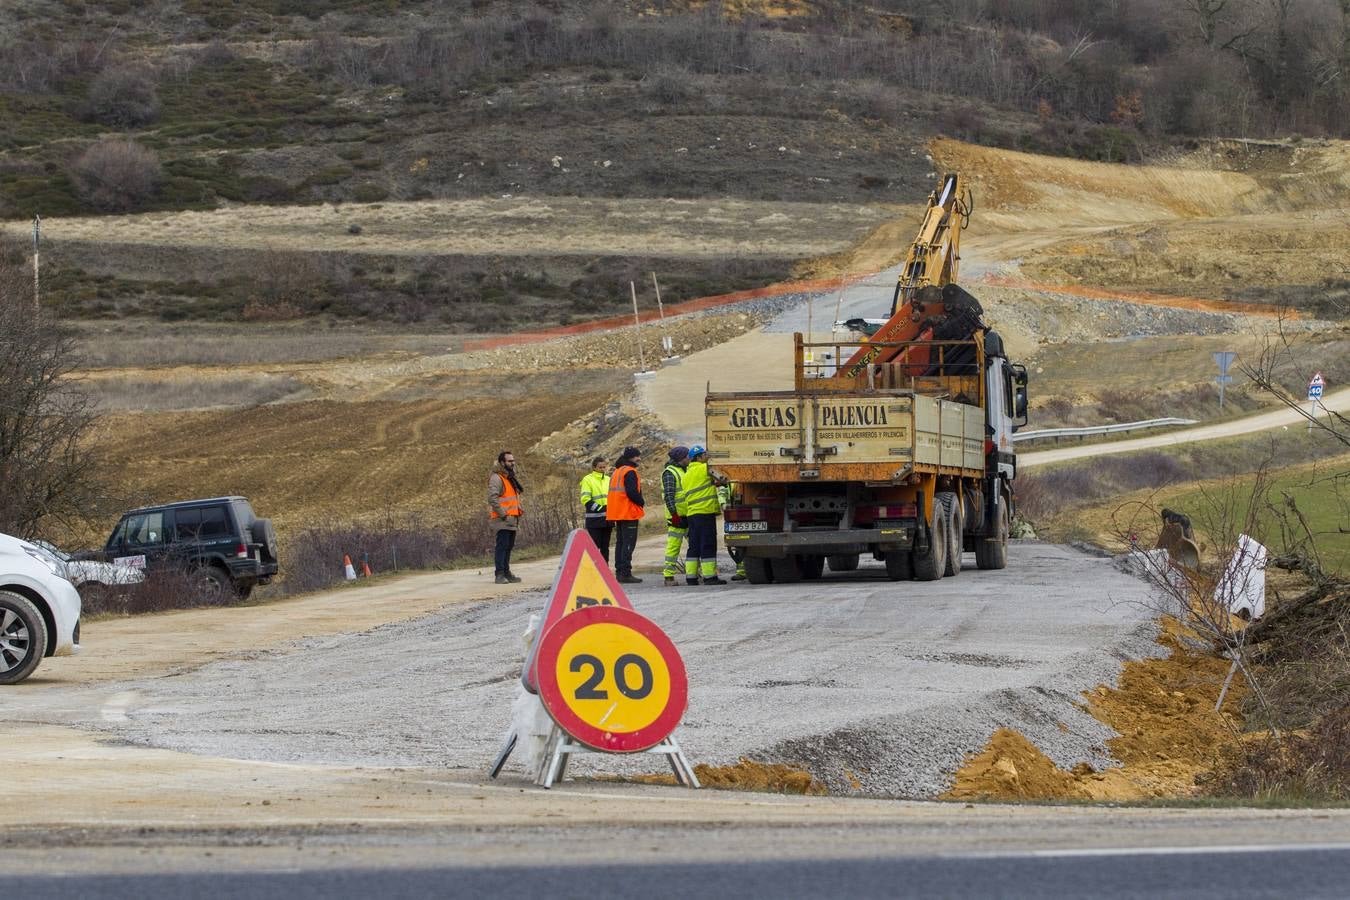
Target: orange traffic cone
pixel 365 569
pixel 347 569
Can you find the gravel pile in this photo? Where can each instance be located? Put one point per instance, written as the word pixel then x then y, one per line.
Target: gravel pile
pixel 874 687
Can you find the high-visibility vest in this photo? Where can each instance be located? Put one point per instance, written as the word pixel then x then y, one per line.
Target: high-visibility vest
pixel 724 492
pixel 509 501
pixel 620 508
pixel 595 489
pixel 681 509
pixel 700 494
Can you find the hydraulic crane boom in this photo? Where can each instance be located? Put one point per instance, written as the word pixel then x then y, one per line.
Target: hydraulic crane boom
pixel 932 262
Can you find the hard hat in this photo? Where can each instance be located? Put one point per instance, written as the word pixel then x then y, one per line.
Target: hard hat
pixel 696 450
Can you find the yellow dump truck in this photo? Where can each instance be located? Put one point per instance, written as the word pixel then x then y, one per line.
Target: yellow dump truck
pixel 894 441
pixel 912 470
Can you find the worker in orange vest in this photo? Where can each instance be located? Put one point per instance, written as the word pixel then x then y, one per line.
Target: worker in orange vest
pixel 504 512
pixel 625 510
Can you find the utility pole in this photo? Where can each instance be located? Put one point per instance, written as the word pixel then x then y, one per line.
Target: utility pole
pixel 37 278
pixel 637 329
pixel 667 345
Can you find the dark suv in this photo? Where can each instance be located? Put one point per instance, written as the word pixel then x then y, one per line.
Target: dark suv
pixel 225 548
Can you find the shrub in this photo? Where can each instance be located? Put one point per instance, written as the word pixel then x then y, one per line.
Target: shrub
pixel 123 97
pixel 117 175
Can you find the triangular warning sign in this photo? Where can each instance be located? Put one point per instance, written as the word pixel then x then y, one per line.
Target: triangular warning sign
pixel 583 580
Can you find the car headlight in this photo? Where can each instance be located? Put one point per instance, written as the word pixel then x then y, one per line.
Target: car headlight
pixel 56 567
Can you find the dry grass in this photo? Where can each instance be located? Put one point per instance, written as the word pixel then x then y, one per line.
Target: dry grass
pixel 564 226
pixel 146 393
pixel 136 346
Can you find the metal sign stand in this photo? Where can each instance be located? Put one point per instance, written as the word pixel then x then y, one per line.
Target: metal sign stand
pixel 560 747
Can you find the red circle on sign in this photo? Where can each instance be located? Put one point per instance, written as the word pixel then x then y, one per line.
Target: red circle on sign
pixel 551 692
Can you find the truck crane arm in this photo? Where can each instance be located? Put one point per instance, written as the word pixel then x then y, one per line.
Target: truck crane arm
pixel 931 264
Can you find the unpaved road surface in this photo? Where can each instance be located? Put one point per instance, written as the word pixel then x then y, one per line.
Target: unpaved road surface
pixel 875 687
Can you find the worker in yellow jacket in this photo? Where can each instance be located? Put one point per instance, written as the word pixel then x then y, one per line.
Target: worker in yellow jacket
pixel 677 511
pixel 700 497
pixel 594 501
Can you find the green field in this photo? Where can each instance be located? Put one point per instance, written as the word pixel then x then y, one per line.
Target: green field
pixel 1321 493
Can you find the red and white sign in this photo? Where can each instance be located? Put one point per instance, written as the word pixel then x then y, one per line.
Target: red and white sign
pixel 1316 386
pixel 583 581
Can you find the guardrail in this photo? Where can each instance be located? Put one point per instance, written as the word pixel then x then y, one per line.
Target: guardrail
pixel 1057 433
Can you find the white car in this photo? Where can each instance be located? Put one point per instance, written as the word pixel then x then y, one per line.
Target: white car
pixel 96 581
pixel 39 609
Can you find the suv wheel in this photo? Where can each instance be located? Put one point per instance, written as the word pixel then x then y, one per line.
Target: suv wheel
pixel 211 585
pixel 23 637
pixel 263 533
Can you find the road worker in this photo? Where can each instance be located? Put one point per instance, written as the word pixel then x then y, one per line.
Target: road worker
pixel 625 509
pixel 724 494
pixel 594 499
pixel 700 497
pixel 504 512
pixel 672 494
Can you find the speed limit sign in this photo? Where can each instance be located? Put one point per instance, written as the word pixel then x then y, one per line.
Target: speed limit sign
pixel 612 679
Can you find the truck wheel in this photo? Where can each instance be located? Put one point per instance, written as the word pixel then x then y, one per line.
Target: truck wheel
pixel 23 637
pixel 843 562
pixel 929 564
pixel 787 570
pixel 210 585
pixel 757 570
pixel 951 512
pixel 812 566
pixel 899 565
pixel 992 552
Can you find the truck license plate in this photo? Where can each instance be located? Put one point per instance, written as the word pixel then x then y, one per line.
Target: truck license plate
pixel 747 526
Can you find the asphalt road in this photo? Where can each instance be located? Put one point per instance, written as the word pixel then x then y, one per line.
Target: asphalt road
pixel 1195 874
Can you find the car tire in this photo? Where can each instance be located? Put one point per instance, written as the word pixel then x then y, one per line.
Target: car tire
pixel 212 586
pixel 23 637
pixel 263 533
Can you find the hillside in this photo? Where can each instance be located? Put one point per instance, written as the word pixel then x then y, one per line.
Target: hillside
pixel 165 105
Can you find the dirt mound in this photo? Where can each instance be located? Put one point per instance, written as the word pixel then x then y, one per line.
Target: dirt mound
pixel 748 775
pixel 1163 710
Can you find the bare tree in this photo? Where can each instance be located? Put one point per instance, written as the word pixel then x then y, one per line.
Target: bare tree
pixel 47 473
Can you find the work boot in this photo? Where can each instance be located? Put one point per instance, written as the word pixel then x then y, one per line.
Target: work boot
pixel 739 576
pixel 628 579
pixel 670 581
pixel 692 580
pixel 502 579
pixel 513 578
pixel 713 580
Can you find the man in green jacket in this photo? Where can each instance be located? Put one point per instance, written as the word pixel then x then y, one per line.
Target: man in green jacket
pixel 700 497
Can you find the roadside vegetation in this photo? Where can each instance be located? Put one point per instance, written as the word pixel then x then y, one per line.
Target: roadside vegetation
pixel 139 106
pixel 1288 489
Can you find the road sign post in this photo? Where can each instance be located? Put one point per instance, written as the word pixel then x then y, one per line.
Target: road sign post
pixel 1315 388
pixel 1223 359
pixel 613 682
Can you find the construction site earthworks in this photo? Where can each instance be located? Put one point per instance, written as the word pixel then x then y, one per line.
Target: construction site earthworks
pixel 1074 645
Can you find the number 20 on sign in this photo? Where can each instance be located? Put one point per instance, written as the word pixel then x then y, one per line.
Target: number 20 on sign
pixel 612 679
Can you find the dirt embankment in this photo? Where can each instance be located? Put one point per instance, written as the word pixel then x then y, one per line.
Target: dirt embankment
pixel 1169 733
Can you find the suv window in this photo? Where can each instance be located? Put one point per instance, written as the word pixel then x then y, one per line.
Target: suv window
pixel 202 524
pixel 144 530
